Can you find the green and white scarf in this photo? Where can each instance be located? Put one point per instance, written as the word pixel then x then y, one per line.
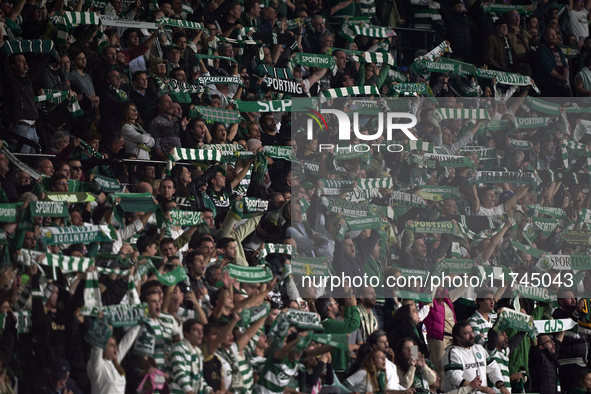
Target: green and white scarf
pixel 451 113
pixel 231 80
pixel 121 315
pixel 212 115
pixel 533 293
pixel 251 315
pixel 347 208
pixel 412 89
pixel 437 51
pixel 503 177
pixel 202 56
pixel 186 218
pixel 74 197
pixel 408 199
pixel 454 267
pixel 69 20
pixel 353 27
pixel 543 106
pixel 193 155
pixel 30 46
pixel 180 23
pixel 505 8
pixel 565 262
pixel 513 319
pixel 250 274
pixel 434 227
pixel 451 160
pixel 314 60
pixel 303 266
pixel 350 91
pixel 537 253
pixel 76 235
pixel 23 322
pixel 57 96
pixel 374 57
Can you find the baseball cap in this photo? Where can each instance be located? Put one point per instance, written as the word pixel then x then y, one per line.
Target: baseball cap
pixel 173 46
pixel 505 196
pixel 221 170
pixel 60 369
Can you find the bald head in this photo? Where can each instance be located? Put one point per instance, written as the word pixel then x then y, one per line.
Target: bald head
pixel 144 187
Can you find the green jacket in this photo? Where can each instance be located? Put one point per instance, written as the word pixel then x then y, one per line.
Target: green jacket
pixel 332 326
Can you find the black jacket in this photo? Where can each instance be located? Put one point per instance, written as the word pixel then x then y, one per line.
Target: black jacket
pixel 543 368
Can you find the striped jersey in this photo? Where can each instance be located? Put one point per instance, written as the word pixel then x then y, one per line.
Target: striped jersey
pixel 164 329
pixel 242 375
pixel 275 376
pixel 480 326
pixel 502 359
pixel 187 369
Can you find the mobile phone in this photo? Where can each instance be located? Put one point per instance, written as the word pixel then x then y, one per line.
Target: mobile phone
pixel 414 352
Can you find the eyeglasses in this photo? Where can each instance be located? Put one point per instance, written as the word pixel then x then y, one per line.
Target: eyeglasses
pixel 548 341
pixel 25 178
pixel 62 183
pixel 116 76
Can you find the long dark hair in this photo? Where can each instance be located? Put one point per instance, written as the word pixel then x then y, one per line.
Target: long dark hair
pixel 399 359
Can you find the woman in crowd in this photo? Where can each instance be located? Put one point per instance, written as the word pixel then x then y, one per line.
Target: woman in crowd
pixel 137 140
pixel 413 373
pixel 104 371
pixel 371 377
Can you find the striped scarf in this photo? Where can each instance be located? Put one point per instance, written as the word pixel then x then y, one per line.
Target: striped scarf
pixel 350 91
pixel 437 51
pixel 449 113
pixel 56 97
pixel 353 27
pixel 69 20
pixel 180 23
pixel 17 163
pixel 194 155
pixel 374 57
pixel 30 46
pixel 413 89
pixel 92 292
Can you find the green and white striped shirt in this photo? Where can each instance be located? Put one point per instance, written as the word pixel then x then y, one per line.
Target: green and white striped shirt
pixel 480 326
pixel 242 373
pixel 187 369
pixel 275 376
pixel 164 328
pixel 502 359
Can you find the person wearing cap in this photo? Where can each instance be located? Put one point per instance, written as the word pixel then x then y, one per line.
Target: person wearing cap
pixel 457 22
pixel 173 54
pixel 59 381
pixel 498 53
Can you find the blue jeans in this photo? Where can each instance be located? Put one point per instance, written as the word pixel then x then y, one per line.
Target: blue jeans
pixel 27 132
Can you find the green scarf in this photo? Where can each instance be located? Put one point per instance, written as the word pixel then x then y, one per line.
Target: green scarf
pixel 577 237
pixel 186 218
pixel 107 185
pixel 505 8
pixel 73 198
pixel 304 266
pixel 30 46
pixel 314 60
pixel 537 253
pixel 250 274
pixel 412 89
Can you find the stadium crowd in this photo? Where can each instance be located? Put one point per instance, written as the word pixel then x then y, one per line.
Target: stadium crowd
pixel 165 194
